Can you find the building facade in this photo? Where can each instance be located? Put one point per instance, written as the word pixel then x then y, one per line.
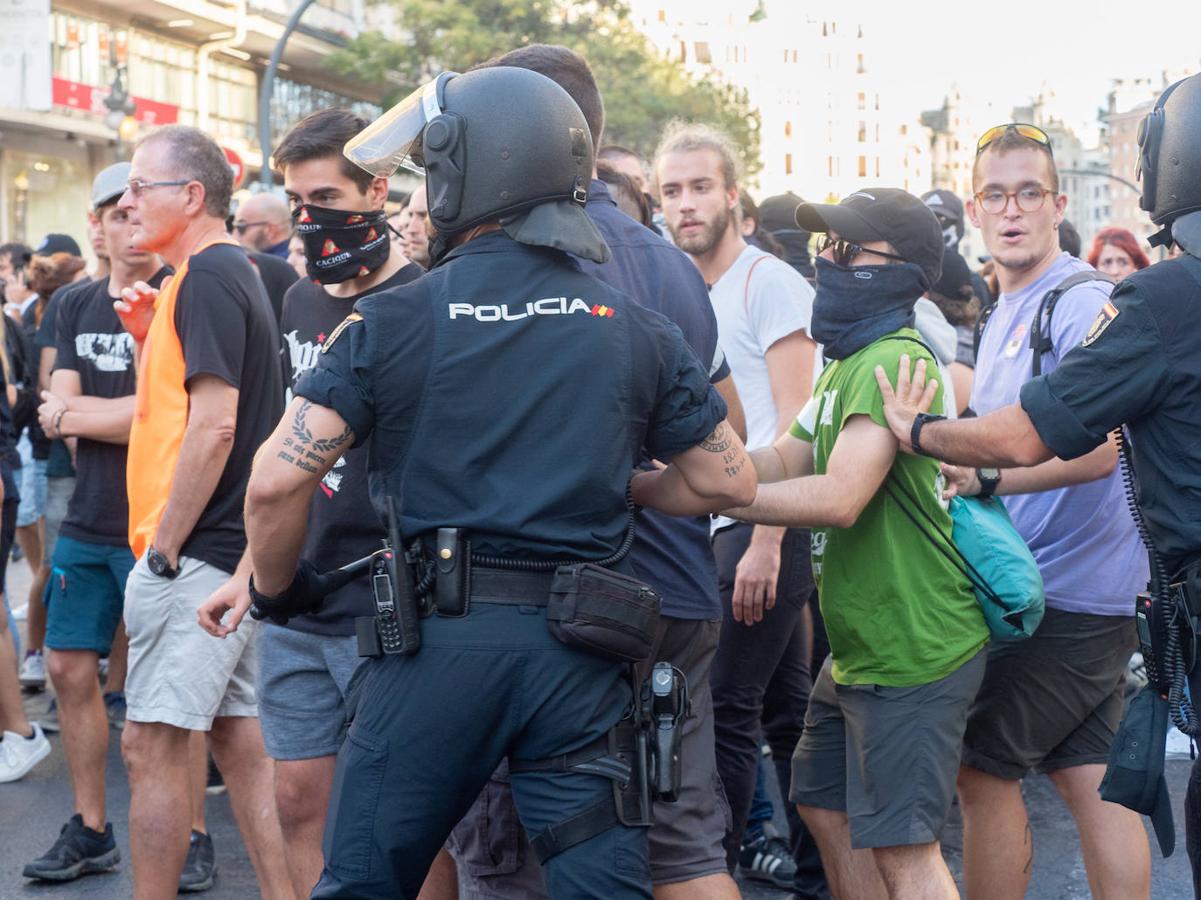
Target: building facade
pixel 193 62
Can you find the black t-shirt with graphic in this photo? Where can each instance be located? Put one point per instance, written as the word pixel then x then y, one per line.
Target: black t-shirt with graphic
pixel 226 328
pixel 90 340
pixel 343 525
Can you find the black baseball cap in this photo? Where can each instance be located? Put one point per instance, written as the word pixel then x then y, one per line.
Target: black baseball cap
pixel 945 204
pixel 955 275
pixel 882 214
pixel 57 243
pixel 1134 776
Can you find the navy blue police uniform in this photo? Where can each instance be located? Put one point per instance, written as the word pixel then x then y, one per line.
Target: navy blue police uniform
pixel 1139 366
pixel 510 395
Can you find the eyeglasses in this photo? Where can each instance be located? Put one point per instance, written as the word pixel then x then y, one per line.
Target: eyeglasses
pixel 242 227
pixel 1029 199
pixel 1031 132
pixel 137 186
pixel 844 251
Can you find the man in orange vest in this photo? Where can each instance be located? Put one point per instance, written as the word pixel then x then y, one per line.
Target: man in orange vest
pixel 209 391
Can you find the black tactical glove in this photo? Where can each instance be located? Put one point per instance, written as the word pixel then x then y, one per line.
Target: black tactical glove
pixel 306 594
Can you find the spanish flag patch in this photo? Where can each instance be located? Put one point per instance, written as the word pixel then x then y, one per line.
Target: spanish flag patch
pixel 1108 313
pixel 349 320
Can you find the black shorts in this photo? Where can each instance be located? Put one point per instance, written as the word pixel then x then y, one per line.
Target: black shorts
pixel 1053 701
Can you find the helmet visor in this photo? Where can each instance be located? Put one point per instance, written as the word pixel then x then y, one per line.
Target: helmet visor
pixel 394 139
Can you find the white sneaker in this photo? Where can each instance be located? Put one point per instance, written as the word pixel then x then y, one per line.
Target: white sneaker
pixel 20 754
pixel 33 670
pixel 21 613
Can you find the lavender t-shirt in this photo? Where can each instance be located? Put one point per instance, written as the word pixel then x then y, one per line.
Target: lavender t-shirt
pixel 1082 536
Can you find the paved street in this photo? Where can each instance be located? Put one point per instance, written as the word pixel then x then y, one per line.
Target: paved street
pixel 33 809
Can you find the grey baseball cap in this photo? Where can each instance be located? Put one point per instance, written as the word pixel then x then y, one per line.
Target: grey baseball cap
pixel 109 184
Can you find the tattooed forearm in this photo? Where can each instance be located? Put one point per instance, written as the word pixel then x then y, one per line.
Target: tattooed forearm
pixel 305 450
pixel 719 441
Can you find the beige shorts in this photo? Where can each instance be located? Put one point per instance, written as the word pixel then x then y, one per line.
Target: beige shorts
pixel 178 673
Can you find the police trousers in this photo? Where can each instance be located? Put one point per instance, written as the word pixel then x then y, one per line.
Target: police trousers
pixel 429 729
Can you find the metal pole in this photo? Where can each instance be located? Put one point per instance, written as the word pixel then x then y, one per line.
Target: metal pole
pixel 266 180
pixel 1130 184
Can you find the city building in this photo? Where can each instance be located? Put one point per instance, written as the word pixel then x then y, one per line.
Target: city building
pixel 195 62
pixel 827 127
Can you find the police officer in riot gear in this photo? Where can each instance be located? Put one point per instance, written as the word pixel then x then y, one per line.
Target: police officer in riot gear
pixel 1138 367
pixel 505 399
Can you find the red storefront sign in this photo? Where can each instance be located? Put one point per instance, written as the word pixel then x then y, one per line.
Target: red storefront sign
pixel 235 165
pixel 90 99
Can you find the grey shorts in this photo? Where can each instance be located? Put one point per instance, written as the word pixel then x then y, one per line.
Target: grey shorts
pixel 178 673
pixel 58 499
pixel 887 756
pixel 302 691
pixel 1053 701
pixel 490 848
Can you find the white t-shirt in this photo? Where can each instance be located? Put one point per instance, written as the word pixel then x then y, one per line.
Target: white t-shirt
pixel 758 300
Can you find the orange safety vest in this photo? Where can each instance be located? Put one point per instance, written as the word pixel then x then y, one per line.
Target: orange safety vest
pixel 160 416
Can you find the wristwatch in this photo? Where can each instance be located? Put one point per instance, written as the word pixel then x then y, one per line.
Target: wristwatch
pixel 989 480
pixel 915 433
pixel 158 564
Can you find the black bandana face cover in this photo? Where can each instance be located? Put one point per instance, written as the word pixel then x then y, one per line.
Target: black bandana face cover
pixel 341 245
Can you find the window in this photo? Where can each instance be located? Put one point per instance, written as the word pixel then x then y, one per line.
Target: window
pixel 877 167
pixel 830 166
pixel 861 98
pixel 701 50
pixel 859 67
pixel 862 132
pixel 787 163
pixel 788 129
pixel 863 167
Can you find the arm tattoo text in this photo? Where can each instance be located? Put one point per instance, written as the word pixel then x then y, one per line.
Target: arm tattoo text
pixel 305 451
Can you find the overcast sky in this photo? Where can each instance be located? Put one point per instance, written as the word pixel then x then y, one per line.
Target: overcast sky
pixel 1007 50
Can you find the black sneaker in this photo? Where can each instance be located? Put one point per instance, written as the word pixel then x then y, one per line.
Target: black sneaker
pixel 200 869
pixel 767 858
pixel 78 851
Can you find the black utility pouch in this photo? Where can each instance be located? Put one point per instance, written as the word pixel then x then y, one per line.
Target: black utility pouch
pixel 602 612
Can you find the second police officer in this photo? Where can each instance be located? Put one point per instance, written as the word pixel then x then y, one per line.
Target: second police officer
pixel 1139 367
pixel 504 399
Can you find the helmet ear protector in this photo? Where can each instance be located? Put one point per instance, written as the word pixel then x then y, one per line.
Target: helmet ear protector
pixel 1150 134
pixel 443 153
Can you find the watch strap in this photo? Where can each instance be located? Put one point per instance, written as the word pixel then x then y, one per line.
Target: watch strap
pixel 915 431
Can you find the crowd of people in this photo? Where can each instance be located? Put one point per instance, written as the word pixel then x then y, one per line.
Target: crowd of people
pixel 821 632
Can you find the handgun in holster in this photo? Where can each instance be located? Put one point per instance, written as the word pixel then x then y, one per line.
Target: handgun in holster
pixel 396 625
pixel 1169 616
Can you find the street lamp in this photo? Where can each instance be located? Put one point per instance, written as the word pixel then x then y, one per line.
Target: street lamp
pixel 120 105
pixel 266 178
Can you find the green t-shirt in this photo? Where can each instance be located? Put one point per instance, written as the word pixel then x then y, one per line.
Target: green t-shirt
pixel 898 612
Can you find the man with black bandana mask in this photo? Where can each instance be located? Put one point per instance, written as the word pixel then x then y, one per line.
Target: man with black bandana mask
pixel 906 634
pixel 305 666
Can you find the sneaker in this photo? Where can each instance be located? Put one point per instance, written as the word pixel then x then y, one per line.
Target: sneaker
pixel 768 858
pixel 200 869
pixel 19 754
pixel 78 851
pixel 33 670
pixel 49 719
pixel 114 705
pixel 215 784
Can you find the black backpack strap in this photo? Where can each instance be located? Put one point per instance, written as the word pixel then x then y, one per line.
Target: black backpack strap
pixel 981 323
pixel 912 340
pixel 1040 333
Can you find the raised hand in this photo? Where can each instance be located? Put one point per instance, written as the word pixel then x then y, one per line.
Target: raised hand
pixel 135 309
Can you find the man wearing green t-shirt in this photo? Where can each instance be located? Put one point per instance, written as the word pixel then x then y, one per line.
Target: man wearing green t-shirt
pixel 874 774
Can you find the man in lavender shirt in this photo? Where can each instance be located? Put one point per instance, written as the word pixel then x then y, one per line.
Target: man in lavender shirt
pixel 1052 703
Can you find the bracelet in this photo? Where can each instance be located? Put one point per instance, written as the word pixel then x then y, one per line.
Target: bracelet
pixel 57 421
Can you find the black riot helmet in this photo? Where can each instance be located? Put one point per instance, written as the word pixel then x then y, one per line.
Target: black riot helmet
pixel 499 143
pixel 1169 165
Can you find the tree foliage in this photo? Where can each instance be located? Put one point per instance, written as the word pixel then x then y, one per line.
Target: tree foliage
pixel 643 91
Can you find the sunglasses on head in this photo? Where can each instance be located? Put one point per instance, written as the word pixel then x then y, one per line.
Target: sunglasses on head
pixel 1031 132
pixel 844 252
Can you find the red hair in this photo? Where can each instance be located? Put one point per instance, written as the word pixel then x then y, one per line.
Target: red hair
pixel 1124 241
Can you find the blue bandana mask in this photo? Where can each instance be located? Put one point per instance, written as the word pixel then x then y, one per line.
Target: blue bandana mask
pixel 857 306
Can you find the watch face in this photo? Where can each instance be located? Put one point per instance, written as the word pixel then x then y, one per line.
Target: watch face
pixel 990 474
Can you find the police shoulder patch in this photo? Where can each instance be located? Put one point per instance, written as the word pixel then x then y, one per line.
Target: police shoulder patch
pixel 1108 313
pixel 337 332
